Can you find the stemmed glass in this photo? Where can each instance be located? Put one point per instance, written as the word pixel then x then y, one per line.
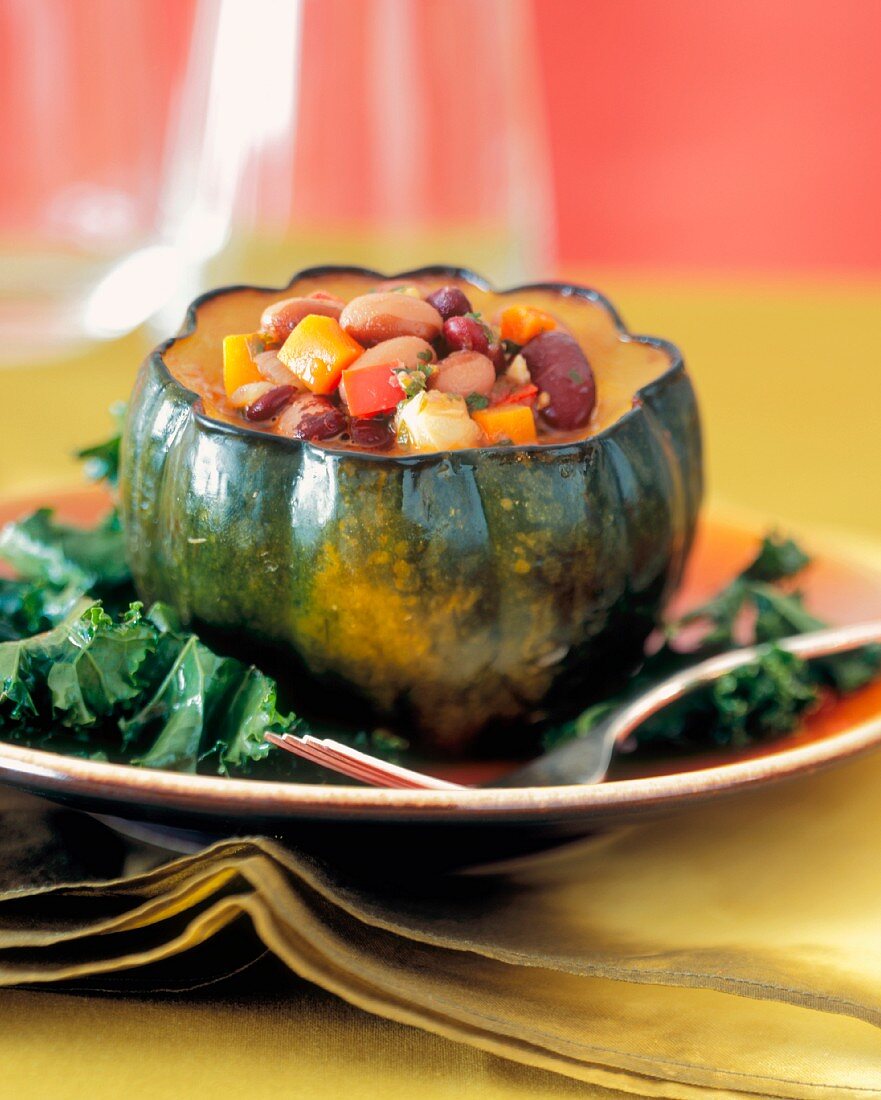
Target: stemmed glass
pixel 159 147
pixel 390 133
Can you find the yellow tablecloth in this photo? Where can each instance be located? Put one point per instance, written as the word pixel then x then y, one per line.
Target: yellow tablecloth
pixel 730 950
pixel 789 385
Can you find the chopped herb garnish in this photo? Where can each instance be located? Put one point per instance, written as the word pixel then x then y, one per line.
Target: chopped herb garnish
pixel 256 346
pixel 415 381
pixel 412 382
pixel 477 401
pixel 487 330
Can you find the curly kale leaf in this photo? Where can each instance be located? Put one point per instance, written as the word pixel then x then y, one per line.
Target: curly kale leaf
pixel 42 550
pixel 138 688
pixel 32 607
pixel 102 459
pixel 766 697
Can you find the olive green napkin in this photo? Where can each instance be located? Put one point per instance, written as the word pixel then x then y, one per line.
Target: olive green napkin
pixel 732 949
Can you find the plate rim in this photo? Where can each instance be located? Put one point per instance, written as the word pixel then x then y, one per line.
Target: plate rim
pixel 217 796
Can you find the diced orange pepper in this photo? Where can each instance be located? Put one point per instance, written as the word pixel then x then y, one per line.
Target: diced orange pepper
pixel 513 422
pixel 521 323
pixel 318 351
pixel 372 389
pixel 239 368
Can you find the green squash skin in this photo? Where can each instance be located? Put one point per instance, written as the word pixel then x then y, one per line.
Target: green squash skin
pixel 451 593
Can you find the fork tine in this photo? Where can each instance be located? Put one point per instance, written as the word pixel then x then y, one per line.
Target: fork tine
pixel 378 773
pixel 357 765
pixel 323 760
pixel 372 769
pixel 315 755
pixel 406 776
pixel 356 769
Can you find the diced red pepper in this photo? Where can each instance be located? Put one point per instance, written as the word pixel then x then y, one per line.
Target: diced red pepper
pixel 372 389
pixel 522 395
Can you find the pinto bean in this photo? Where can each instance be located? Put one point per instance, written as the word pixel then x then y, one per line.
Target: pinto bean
pixel 373 318
pixel 449 301
pixel 560 369
pixel 410 352
pixel 309 416
pixel 281 318
pixel 464 373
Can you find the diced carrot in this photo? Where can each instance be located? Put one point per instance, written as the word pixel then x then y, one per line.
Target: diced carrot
pixel 372 389
pixel 520 324
pixel 507 422
pixel 318 351
pixel 239 368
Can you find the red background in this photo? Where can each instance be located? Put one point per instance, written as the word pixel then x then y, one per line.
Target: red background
pixel 732 135
pixel 724 134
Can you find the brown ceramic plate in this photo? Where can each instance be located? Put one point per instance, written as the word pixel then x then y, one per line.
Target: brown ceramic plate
pixel 459 827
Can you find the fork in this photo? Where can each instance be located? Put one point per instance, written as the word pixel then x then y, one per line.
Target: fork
pixel 585 759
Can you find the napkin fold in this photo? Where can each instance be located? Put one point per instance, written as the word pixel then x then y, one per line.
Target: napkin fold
pixel 731 949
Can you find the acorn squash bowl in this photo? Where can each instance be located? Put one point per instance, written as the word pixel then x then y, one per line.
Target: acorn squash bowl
pixel 456 598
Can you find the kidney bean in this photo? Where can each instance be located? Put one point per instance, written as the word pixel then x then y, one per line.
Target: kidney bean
pixel 281 318
pixel 496 353
pixel 464 373
pixel 466 334
pixel 374 433
pixel 269 403
pixel 449 301
pixel 560 369
pixel 309 416
pixel 373 318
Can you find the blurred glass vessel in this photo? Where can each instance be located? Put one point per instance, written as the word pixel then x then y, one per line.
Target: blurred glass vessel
pixel 389 133
pixel 162 147
pixel 85 96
